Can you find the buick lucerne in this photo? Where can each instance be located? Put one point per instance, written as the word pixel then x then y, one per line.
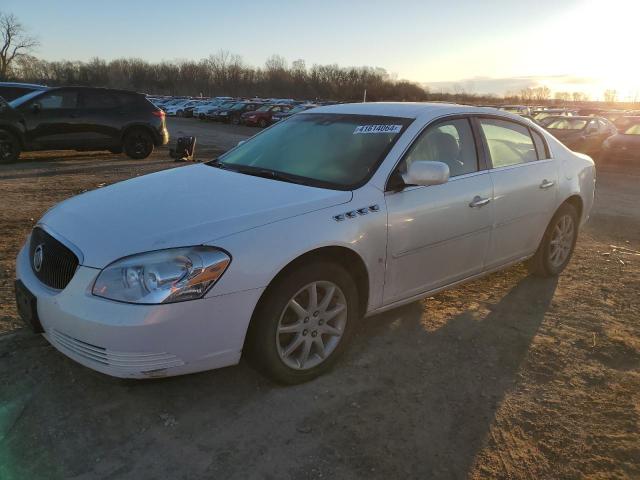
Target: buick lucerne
pixel 279 247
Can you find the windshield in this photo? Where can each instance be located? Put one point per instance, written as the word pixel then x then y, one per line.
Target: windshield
pixel 325 150
pixel 16 102
pixel 568 124
pixel 264 108
pixel 237 106
pixel 633 130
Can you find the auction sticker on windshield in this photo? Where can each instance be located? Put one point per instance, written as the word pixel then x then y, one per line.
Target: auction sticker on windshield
pixel 377 129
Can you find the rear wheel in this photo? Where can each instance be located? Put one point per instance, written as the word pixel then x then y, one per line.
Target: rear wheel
pixel 235 120
pixel 262 123
pixel 9 147
pixel 138 144
pixel 304 323
pixel 557 244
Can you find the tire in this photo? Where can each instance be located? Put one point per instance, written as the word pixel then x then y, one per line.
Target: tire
pixel 262 123
pixel 276 326
pixel 179 113
pixel 138 144
pixel 9 147
pixel 557 245
pixel 235 120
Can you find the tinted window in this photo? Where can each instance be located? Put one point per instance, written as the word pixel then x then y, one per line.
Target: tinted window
pixel 541 145
pixel 509 143
pixel 58 99
pixel 450 142
pixel 99 100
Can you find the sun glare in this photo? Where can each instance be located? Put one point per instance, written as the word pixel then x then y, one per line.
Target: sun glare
pixel 602 52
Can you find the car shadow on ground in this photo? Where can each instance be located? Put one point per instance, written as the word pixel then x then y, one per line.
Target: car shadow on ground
pixel 411 399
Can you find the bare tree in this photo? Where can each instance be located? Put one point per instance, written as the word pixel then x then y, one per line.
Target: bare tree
pixel 14 42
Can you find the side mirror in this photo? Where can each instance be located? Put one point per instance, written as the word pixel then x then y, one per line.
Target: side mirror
pixel 426 173
pixel 36 107
pixel 240 143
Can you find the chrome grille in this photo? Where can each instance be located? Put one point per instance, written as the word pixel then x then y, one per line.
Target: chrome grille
pixel 56 265
pixel 125 360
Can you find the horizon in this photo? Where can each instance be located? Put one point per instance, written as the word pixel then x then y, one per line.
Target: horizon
pixel 456 49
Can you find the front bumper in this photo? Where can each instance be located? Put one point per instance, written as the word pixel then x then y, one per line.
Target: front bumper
pixel 139 341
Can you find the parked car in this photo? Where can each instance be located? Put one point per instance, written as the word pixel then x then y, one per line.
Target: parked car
pixel 234 113
pixel 543 114
pixel 279 247
pixel 623 123
pixel 624 145
pixel 178 109
pixel 212 112
pixel 12 90
pixel 276 117
pixel 200 111
pixel 517 109
pixel 582 134
pixel 81 118
pixel 262 116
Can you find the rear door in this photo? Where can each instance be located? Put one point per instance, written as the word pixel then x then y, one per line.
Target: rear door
pixel 103 114
pixel 525 183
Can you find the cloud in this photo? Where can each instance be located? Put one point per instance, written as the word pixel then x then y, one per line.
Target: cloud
pixel 501 86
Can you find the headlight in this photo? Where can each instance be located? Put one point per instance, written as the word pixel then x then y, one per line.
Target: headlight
pixel 164 276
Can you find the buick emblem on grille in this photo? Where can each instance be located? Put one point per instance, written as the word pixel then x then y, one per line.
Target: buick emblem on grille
pixel 38 256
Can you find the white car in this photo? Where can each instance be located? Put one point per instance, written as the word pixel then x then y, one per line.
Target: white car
pixel 279 247
pixel 177 109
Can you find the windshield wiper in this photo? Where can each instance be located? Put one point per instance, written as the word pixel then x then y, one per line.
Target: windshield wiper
pixel 261 172
pixel 267 173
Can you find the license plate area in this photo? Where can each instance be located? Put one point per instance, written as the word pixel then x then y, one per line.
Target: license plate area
pixel 27 304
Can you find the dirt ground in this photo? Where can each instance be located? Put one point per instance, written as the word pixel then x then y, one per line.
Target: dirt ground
pixel 507 377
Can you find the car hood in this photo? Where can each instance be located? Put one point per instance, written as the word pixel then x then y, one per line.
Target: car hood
pixel 179 207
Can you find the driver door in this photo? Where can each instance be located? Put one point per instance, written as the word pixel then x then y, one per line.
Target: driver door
pixel 52 121
pixel 439 234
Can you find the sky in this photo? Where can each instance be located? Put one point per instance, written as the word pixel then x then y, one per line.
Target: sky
pixel 479 46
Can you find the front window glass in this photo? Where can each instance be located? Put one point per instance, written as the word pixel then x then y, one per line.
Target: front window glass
pixel 509 143
pixel 567 124
pixel 450 142
pixel 326 150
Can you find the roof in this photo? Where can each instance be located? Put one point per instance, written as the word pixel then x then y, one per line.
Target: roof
pixel 398 109
pixel 21 84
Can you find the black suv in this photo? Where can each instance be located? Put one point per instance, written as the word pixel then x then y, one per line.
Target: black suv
pixel 81 118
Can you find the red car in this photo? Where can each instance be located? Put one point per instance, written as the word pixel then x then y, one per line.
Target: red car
pixel 262 116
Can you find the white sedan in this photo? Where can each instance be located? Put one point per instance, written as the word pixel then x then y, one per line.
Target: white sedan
pixel 279 247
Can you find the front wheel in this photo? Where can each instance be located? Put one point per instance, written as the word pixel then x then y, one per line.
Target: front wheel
pixel 9 147
pixel 235 120
pixel 304 323
pixel 138 144
pixel 262 123
pixel 557 244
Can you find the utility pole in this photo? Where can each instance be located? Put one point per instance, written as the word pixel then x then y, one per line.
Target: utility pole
pixel 364 100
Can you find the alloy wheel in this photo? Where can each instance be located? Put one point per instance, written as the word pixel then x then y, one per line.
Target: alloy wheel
pixel 311 325
pixel 561 241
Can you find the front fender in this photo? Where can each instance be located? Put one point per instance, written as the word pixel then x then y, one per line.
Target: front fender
pixel 259 254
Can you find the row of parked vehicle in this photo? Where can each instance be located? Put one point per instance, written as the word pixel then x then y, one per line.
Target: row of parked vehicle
pixel 256 112
pixel 603 134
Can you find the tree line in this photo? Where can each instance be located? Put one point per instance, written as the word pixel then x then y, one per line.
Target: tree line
pixel 223 74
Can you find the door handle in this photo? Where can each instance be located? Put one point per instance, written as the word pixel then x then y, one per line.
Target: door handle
pixel 479 201
pixel 546 184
